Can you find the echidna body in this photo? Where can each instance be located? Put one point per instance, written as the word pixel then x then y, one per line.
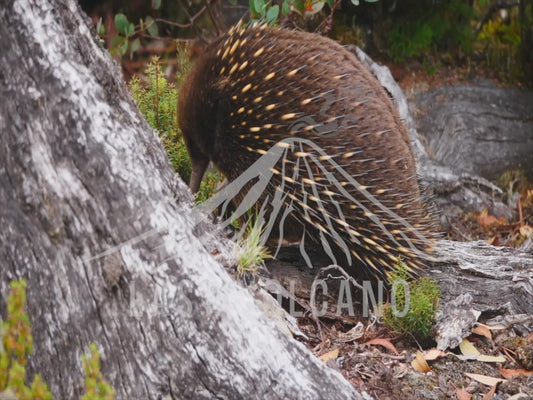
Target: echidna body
pixel 350 178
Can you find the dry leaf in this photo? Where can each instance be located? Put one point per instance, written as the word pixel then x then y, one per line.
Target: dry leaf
pixel 489 221
pixel 471 353
pixel 331 355
pixel 512 373
pixel 493 240
pixel 518 396
pixel 433 354
pixel 468 349
pixel 385 343
pixel 489 359
pixel 483 330
pixel 490 395
pixel 419 363
pixel 463 395
pixel 487 380
pixel 526 231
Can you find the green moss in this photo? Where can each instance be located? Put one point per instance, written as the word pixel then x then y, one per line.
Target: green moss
pixel 422 301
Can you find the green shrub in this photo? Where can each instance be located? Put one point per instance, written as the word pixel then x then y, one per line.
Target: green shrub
pixel 502 45
pixel 16 346
pixel 158 102
pixel 423 304
pixel 96 387
pixel 432 28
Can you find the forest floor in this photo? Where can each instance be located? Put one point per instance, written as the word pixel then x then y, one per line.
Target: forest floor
pixel 376 360
pixel 388 366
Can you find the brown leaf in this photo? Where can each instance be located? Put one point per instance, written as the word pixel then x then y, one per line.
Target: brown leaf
pixel 487 380
pixel 419 363
pixel 483 330
pixel 490 395
pixel 331 355
pixel 433 354
pixel 490 221
pixel 385 343
pixel 493 240
pixel 463 395
pixel 513 373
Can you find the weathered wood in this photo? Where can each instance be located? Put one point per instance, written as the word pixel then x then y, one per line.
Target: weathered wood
pixel 90 218
pixel 479 282
pixel 483 130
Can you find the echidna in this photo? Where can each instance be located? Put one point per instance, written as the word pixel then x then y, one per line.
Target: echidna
pixel 343 169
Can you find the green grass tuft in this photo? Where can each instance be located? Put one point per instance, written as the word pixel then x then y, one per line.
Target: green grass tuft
pixel 423 305
pixel 250 251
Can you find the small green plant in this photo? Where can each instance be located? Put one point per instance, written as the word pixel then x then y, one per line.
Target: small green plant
pixel 250 250
pixel 158 102
pixel 209 186
pixel 502 44
pixel 422 300
pixel 129 35
pixel 96 387
pixel 16 346
pixel 270 13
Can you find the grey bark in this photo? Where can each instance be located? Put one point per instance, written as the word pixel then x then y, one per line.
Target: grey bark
pixel 92 217
pixel 482 130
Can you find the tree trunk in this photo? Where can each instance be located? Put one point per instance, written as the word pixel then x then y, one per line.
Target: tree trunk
pixel 90 218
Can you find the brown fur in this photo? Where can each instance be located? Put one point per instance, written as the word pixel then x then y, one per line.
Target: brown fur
pixel 229 131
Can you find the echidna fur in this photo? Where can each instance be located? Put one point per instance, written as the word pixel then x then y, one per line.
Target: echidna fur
pixel 307 134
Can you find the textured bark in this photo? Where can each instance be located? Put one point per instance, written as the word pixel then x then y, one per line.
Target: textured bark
pixel 479 283
pixel 91 216
pixel 483 130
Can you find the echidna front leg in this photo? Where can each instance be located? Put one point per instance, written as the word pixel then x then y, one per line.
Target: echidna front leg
pixel 199 165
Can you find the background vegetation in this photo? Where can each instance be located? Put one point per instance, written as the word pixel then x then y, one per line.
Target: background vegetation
pixel 496 35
